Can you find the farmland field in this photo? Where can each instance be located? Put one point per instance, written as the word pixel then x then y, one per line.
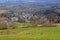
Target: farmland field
pixel 51 33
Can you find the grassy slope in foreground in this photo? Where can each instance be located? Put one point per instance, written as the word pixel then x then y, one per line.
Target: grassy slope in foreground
pixel 35 34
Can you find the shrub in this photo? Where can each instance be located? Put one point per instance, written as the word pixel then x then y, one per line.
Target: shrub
pixel 3 26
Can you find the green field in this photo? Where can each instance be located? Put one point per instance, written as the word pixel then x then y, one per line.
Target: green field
pixel 52 33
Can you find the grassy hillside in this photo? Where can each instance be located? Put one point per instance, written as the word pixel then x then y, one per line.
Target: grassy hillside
pixel 52 33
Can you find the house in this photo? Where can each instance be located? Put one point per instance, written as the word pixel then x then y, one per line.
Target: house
pixel 13 19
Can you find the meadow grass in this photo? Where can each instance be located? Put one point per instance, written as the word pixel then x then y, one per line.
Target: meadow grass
pixel 3 11
pixel 52 33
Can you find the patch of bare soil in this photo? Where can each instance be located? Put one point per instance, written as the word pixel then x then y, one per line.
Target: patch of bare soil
pixel 25 32
pixel 48 25
pixel 57 24
pixel 10 32
pixel 43 25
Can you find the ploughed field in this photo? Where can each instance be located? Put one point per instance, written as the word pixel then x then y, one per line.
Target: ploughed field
pixel 46 33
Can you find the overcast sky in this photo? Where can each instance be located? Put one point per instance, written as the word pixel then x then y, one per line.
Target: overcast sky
pixel 31 0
